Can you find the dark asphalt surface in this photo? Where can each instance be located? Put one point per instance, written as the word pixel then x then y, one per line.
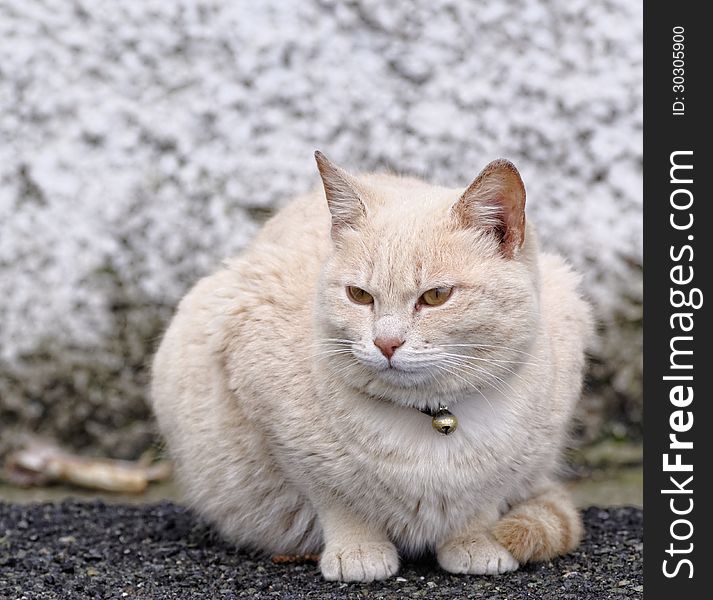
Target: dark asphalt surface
pixel 94 550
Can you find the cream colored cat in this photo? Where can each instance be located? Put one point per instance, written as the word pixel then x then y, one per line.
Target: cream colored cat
pixel 289 384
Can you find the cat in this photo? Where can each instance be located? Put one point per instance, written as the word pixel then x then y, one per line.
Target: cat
pixel 290 384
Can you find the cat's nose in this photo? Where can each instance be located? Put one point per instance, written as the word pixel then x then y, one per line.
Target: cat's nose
pixel 388 345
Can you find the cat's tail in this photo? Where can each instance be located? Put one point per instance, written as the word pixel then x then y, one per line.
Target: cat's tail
pixel 542 527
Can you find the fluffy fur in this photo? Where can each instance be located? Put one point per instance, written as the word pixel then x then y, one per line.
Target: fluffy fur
pixel 293 433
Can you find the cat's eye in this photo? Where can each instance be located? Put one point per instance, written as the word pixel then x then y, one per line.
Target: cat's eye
pixel 435 296
pixel 359 295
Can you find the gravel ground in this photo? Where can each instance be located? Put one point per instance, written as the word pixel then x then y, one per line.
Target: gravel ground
pixel 94 550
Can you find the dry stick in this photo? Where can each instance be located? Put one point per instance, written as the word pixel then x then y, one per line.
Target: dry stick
pixel 41 462
pixel 283 559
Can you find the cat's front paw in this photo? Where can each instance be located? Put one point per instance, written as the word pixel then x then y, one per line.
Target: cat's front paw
pixel 365 561
pixel 479 554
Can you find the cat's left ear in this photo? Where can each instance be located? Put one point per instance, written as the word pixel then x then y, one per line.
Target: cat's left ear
pixel 341 190
pixel 495 201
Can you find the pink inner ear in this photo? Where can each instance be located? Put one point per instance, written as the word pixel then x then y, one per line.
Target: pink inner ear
pixel 496 201
pixel 514 235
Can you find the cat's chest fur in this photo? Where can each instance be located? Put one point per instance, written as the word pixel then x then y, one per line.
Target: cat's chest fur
pixel 407 478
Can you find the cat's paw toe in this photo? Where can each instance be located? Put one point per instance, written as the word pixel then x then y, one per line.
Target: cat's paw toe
pixel 477 555
pixel 368 561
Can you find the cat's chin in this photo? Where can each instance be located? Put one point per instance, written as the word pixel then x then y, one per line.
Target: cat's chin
pixel 411 388
pixel 404 379
pixel 405 388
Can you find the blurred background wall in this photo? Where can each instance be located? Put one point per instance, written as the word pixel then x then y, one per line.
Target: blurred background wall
pixel 143 141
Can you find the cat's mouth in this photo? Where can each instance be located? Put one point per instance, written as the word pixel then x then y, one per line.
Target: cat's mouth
pixel 402 376
pixel 398 371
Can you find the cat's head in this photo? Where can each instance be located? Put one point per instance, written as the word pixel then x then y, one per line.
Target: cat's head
pixel 430 293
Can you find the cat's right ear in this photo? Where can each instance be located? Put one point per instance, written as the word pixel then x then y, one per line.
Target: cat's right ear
pixel 347 208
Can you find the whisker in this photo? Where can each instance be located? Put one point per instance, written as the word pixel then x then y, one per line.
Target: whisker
pixel 348 367
pixel 492 408
pixel 489 375
pixel 331 345
pixel 497 347
pixel 491 360
pixel 466 359
pixel 332 351
pixel 480 371
pixel 516 398
pixel 326 352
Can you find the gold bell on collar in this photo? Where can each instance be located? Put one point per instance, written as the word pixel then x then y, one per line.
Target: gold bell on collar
pixel 444 421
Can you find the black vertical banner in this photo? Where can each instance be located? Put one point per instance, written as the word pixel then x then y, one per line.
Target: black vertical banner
pixel 678 448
